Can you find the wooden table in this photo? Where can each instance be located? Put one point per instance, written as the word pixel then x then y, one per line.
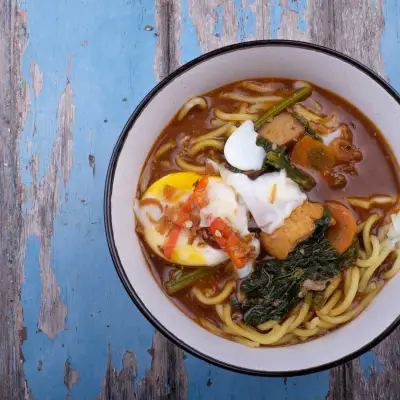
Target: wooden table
pixel 71 73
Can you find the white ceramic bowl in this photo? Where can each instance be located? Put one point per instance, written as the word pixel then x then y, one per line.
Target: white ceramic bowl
pixel 326 68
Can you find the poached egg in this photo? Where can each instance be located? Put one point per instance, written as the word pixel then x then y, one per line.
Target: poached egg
pixel 271 198
pixel 241 150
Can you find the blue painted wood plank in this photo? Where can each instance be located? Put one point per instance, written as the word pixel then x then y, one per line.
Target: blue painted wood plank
pixel 112 68
pixel 112 59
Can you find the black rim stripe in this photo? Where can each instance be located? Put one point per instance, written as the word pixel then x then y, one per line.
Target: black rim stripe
pixel 109 186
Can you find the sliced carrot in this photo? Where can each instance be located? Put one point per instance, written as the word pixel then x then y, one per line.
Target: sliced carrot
pixel 172 239
pixel 237 249
pixel 311 153
pixel 272 196
pixel 342 234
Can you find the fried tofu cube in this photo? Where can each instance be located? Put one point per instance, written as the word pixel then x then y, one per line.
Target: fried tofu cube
pixel 283 129
pixel 297 227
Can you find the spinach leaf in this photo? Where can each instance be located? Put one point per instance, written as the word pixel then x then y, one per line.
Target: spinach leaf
pixel 273 288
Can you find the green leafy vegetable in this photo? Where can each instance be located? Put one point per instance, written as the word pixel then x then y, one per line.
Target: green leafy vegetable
pixel 283 105
pixel 310 131
pixel 277 157
pixel 273 288
pixel 185 279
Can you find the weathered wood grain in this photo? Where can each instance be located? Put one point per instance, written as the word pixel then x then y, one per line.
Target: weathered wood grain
pixel 204 17
pixel 37 78
pixel 167 376
pixel 13 107
pixel 120 386
pixel 45 205
pixel 71 376
pixel 168 27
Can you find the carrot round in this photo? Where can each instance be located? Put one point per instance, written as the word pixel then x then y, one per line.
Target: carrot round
pixel 311 153
pixel 342 234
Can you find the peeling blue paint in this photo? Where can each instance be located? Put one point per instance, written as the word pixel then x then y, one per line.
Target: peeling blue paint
pixel 299 7
pixel 275 18
pixel 188 38
pixel 246 18
pixel 116 64
pixel 369 361
pixel 218 22
pixel 390 44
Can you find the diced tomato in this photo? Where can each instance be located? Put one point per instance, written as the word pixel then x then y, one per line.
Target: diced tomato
pixel 236 247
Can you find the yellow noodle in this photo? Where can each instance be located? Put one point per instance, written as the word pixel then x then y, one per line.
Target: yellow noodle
pixel 306 332
pixel 267 338
pixel 316 322
pixel 369 202
pixel 333 284
pixel 228 330
pixel 216 133
pixel 370 271
pixel 232 117
pixel 211 327
pixel 302 313
pixel 164 148
pixel 308 316
pixel 313 323
pixel 331 302
pixel 266 326
pixel 246 342
pixel 301 84
pixel 256 87
pixel 350 295
pixel 347 281
pixel 217 122
pixel 360 226
pixel 195 101
pixel 251 99
pixel 231 130
pixel 325 325
pixel 200 146
pixel 287 339
pixel 348 315
pixel 219 298
pixel 370 287
pixel 395 269
pixel 181 163
pixel 366 232
pixel 219 308
pixel 359 202
pixel 245 327
pixel 376 248
pixel 243 108
pixel 362 254
pixel 255 108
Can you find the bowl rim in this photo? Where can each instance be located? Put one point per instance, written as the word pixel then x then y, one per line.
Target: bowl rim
pixel 109 188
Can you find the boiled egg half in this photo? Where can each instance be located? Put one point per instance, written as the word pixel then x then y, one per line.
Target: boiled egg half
pixel 222 202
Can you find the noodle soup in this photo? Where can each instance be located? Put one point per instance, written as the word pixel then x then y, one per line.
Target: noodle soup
pixel 267 211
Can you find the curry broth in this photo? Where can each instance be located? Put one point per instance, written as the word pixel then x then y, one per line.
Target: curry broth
pixel 377 173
